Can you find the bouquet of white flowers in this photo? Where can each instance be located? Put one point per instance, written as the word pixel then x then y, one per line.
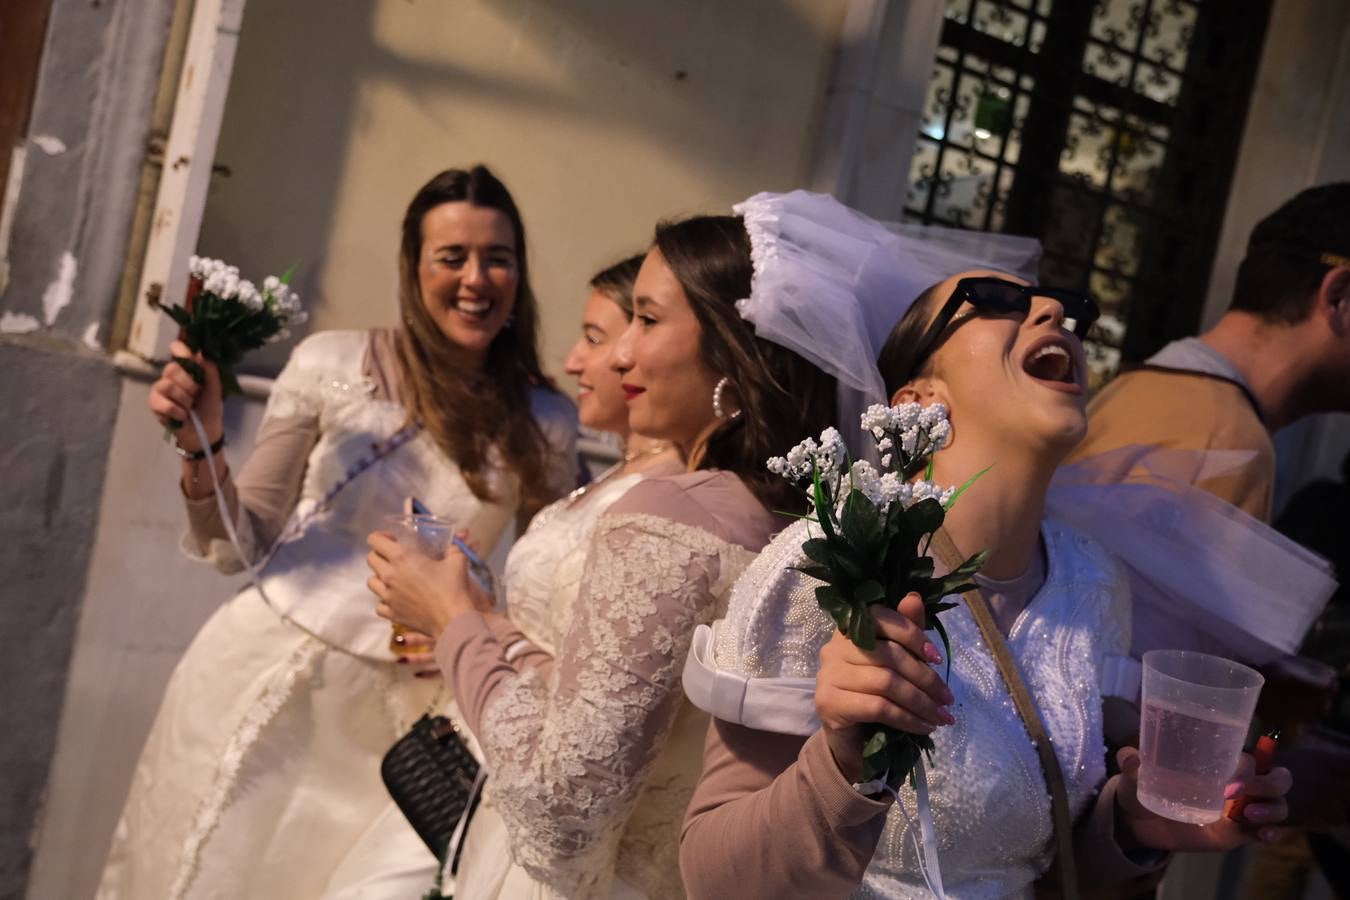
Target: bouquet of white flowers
pixel 226 316
pixel 875 528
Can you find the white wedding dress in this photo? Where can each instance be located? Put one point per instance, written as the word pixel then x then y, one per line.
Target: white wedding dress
pixel 757 667
pixel 592 760
pixel 260 777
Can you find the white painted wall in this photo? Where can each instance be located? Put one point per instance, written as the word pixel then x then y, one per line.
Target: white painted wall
pixel 144 600
pixel 601 118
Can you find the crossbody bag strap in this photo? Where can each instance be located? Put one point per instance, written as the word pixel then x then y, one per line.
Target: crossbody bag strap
pixel 1031 718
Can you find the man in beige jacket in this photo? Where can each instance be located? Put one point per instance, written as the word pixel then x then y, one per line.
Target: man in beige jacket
pixel 1281 352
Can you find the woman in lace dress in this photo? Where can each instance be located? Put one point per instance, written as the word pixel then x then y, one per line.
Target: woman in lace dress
pixel 261 773
pixel 543 571
pixel 789 749
pixel 592 750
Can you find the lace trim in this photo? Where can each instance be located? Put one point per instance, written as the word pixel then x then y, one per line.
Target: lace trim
pixel 571 757
pixel 213 804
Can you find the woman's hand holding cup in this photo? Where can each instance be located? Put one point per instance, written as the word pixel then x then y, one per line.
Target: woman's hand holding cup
pixel 1137 827
pixel 418 590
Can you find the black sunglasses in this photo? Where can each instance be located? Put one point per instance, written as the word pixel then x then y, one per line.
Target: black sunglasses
pixel 997 295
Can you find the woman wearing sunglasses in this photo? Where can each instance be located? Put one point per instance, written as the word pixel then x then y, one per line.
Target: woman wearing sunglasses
pixel 1007 360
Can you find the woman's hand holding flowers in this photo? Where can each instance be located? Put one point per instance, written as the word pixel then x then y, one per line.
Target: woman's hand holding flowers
pixel 894 684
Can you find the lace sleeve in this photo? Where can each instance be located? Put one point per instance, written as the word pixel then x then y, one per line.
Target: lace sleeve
pixel 569 755
pixel 261 499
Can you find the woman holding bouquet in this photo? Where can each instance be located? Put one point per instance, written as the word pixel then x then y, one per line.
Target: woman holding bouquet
pixel 1008 363
pixel 591 749
pixel 260 774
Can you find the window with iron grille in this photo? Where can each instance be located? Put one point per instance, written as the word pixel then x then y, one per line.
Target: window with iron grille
pixel 1109 130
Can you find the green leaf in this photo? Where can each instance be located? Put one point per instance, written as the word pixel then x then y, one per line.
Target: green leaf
pixel 228 383
pixel 286 276
pixel 192 367
pixel 926 516
pixel 819 550
pixel 941 629
pixel 819 572
pixel 868 592
pixel 862 524
pixel 862 629
pixel 958 580
pixel 951 501
pixel 824 504
pixel 875 744
pixel 178 314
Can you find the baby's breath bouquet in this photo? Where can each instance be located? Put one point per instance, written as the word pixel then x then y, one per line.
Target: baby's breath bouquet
pixel 874 531
pixel 226 316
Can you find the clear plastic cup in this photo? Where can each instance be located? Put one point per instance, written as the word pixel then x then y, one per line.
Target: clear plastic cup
pixel 1197 710
pixel 430 536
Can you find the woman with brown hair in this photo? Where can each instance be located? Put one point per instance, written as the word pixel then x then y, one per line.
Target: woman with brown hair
pixel 1017 779
pixel 591 748
pixel 261 773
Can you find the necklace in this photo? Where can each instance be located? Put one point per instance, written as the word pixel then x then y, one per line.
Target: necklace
pixel 615 469
pixel 631 456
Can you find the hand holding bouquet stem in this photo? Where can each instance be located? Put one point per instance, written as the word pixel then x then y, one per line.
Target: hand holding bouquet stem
pixel 874 533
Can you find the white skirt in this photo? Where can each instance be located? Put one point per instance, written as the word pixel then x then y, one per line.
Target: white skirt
pixel 260 777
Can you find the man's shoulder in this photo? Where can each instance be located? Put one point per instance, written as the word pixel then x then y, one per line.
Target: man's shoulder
pixel 1155 401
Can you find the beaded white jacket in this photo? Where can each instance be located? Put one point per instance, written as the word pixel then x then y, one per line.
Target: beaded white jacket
pixel 990 802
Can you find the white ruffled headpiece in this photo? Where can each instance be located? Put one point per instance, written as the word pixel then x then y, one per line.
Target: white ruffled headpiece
pixel 830 283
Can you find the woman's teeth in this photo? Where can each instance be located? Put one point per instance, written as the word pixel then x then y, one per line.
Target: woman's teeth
pixel 1050 363
pixel 473 307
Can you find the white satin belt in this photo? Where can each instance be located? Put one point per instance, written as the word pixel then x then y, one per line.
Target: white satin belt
pixel 779 705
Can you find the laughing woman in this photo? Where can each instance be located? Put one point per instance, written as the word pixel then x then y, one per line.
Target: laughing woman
pixel 1007 361
pixel 261 772
pixel 592 750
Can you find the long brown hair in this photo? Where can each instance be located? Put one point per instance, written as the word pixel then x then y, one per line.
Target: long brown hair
pixel 898 355
pixel 783 398
pixel 468 411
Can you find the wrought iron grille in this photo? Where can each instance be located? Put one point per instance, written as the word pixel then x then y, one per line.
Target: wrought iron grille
pixel 1107 129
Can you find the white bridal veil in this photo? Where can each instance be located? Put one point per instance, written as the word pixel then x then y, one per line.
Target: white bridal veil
pixel 830 283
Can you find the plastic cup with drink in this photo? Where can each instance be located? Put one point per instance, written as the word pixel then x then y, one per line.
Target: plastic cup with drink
pixel 1197 710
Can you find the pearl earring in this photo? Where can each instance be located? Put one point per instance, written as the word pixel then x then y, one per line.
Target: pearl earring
pixel 718 410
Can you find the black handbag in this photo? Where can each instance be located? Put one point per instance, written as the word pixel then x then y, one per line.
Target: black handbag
pixel 436 783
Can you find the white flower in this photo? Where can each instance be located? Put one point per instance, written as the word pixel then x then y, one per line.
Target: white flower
pixel 906 416
pixel 271 284
pixel 832 451
pixel 909 442
pixel 878 419
pixel 863 477
pixel 894 489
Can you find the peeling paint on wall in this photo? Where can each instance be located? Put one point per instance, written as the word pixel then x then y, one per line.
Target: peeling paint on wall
pixel 58 294
pixel 50 144
pixel 90 337
pixel 18 323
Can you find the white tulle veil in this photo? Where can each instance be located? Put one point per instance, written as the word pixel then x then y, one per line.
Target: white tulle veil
pixel 830 283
